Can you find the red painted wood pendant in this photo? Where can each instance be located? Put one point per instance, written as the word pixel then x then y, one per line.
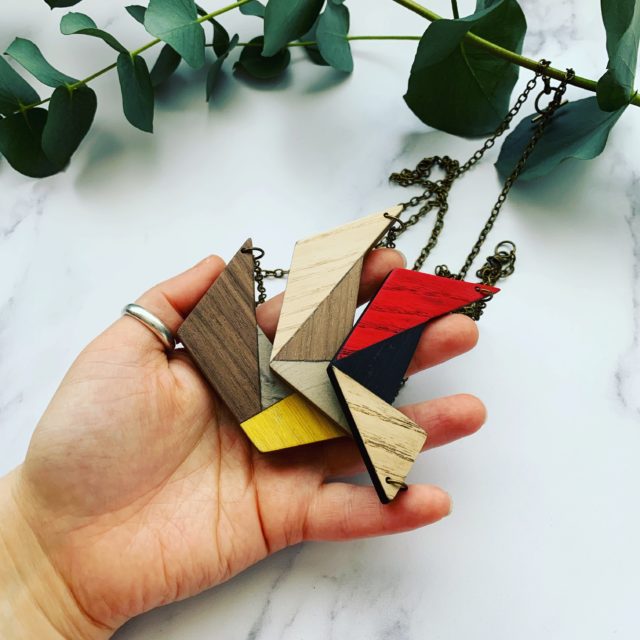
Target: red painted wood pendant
pixel 369 367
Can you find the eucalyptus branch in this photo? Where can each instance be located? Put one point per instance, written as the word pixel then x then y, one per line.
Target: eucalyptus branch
pixel 512 56
pixel 313 43
pixel 454 8
pixel 136 52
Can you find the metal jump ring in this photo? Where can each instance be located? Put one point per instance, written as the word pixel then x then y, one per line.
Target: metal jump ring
pixel 153 323
pixel 403 486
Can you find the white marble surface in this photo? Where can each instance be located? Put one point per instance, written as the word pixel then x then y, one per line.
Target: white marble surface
pixel 543 540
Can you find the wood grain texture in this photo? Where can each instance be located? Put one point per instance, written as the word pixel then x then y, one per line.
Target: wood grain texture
pixel 325 330
pixel 272 388
pixel 406 299
pixel 319 263
pixel 311 380
pixel 389 442
pixel 381 367
pixel 289 423
pixel 220 335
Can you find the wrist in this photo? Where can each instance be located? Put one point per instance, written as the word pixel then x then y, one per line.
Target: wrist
pixel 35 601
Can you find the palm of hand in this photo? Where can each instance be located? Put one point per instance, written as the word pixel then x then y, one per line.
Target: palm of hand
pixel 149 491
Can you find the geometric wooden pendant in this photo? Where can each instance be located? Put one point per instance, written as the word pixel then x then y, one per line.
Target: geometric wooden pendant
pixel 319 306
pixel 222 336
pixel 367 370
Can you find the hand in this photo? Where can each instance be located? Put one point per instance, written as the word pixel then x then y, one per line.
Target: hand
pixel 139 488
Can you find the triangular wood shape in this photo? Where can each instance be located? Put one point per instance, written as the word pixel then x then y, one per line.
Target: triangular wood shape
pixel 311 380
pixel 319 263
pixel 381 367
pixel 324 331
pixel 407 299
pixel 389 441
pixel 220 335
pixel 272 389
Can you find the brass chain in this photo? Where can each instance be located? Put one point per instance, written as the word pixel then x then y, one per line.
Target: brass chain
pixel 259 274
pixel 436 192
pixel 435 195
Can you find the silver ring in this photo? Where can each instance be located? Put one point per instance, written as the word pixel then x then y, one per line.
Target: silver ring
pixel 153 323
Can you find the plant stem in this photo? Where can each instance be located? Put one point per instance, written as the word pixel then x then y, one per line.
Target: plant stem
pixel 135 52
pixel 511 56
pixel 454 8
pixel 313 43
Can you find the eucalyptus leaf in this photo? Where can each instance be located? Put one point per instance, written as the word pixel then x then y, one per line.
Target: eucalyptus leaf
pixel 214 69
pixel 175 22
pixel 311 50
pixel 21 143
pixel 220 34
pixel 260 67
pixel 622 23
pixel 165 66
pixel 79 23
pixel 137 91
pixel 331 34
pixel 253 8
pixel 578 130
pixel 55 4
pixel 71 114
pixel 287 20
pixel 27 54
pixel 136 11
pixel 455 85
pixel 15 91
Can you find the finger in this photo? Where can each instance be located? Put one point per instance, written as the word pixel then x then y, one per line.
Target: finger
pixel 377 265
pixel 443 339
pixel 343 511
pixel 443 419
pixel 171 301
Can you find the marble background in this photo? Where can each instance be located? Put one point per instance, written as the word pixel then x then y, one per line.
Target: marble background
pixel 543 539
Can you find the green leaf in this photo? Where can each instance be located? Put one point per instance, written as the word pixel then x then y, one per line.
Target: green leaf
pixel 312 51
pixel 137 91
pixel 578 130
pixel 15 91
pixel 331 33
pixel 70 117
pixel 455 85
pixel 137 12
pixel 27 54
pixel 220 34
pixel 80 23
pixel 175 22
pixel 214 69
pixel 55 4
pixel 254 64
pixel 165 66
pixel 622 23
pixel 253 8
pixel 21 143
pixel 287 20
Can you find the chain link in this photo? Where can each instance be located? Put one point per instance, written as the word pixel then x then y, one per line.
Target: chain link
pixel 259 274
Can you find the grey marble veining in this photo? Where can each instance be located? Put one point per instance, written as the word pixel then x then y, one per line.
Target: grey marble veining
pixel 542 542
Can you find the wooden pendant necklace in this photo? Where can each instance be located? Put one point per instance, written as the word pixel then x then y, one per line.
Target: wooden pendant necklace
pixel 325 377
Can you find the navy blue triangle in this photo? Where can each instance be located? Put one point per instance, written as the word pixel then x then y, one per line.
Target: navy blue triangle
pixel 382 366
